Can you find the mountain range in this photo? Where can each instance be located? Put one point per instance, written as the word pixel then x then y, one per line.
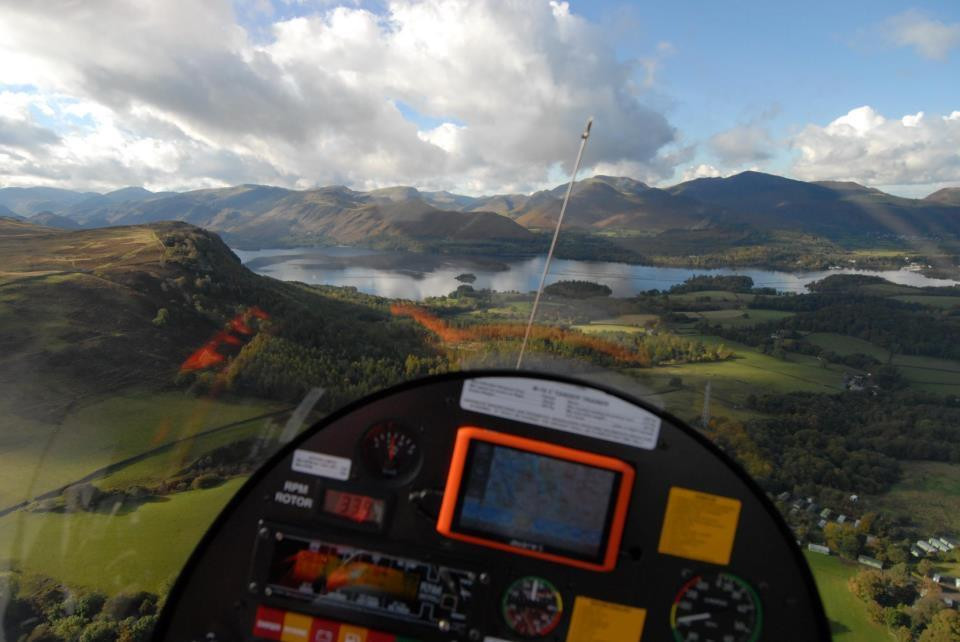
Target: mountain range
pixel 258 215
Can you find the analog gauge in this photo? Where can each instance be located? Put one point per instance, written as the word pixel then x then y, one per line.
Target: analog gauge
pixel 532 607
pixel 717 607
pixel 390 451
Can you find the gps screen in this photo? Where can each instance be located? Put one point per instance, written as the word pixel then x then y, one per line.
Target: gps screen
pixel 536 502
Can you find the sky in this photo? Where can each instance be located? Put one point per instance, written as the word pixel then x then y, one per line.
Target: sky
pixel 476 96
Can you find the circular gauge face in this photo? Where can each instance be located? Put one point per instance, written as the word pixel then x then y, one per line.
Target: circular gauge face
pixel 717 607
pixel 390 451
pixel 532 607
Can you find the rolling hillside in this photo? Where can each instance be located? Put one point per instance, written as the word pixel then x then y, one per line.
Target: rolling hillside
pixel 92 312
pixel 830 209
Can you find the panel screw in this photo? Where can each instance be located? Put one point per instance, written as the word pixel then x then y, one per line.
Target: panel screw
pixel 279 536
pixel 443 625
pixel 264 533
pixel 484 578
pixel 252 587
pixel 268 591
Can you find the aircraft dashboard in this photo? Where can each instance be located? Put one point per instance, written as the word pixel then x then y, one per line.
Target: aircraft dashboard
pixel 497 506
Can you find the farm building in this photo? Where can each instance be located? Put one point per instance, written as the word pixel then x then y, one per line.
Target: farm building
pixel 871 562
pixel 946 580
pixel 937 544
pixel 925 547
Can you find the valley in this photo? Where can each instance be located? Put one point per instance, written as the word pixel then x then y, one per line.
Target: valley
pixel 750 219
pixel 132 417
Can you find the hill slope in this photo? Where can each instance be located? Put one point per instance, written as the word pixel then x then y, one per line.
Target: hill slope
pixel 831 209
pixel 88 313
pixel 945 196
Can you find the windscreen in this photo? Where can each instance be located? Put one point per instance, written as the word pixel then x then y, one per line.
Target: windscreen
pixel 221 221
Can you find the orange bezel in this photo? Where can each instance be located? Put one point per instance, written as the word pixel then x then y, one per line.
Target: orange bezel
pixel 451 494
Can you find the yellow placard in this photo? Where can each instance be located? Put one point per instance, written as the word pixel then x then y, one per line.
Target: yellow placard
pixel 352 634
pixel 699 526
pixel 597 621
pixel 296 627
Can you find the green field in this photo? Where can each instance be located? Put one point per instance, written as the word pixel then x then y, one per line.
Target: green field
pixel 929 373
pixel 631 319
pixel 844 345
pixel 929 492
pixel 731 381
pixel 945 302
pixel 140 550
pixel 169 462
pixel 751 371
pixel 926 373
pixel 713 296
pixel 887 289
pixel 847 614
pixel 737 318
pixel 36 457
pixel 596 328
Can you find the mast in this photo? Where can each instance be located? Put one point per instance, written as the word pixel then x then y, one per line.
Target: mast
pixel 553 244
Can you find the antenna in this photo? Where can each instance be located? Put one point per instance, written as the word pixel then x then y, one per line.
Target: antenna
pixel 553 244
pixel 705 416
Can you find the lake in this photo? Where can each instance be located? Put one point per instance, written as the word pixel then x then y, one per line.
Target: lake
pixel 400 275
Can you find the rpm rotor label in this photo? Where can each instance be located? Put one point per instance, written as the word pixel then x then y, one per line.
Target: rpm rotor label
pixel 562 406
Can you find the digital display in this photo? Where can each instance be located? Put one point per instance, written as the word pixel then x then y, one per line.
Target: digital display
pixel 536 502
pixel 356 508
pixel 357 579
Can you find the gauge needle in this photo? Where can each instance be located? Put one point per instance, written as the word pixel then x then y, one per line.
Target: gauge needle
pixel 392 448
pixel 687 619
pixel 533 590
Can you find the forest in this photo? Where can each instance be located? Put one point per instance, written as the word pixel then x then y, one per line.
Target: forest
pixel 850 441
pixel 899 326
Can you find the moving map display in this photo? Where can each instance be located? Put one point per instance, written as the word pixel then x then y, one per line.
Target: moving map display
pixel 531 500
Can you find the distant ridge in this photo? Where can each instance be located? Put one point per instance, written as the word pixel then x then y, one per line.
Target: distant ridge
pixel 945 196
pixel 49 219
pixel 404 216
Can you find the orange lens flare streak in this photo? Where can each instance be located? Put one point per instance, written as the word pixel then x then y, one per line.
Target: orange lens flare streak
pixel 209 354
pixel 509 331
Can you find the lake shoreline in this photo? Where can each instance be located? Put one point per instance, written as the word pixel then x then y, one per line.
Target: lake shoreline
pixel 416 276
pixel 703 261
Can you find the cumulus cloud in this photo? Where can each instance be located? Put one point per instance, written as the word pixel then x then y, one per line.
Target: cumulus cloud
pixel 701 170
pixel 748 143
pixel 928 37
pixel 178 94
pixel 865 146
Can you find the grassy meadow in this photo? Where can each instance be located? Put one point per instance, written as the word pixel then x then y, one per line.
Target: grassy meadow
pixel 36 457
pixel 142 549
pixel 929 492
pixel 847 614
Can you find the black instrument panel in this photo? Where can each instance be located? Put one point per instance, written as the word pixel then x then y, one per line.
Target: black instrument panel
pixel 336 539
